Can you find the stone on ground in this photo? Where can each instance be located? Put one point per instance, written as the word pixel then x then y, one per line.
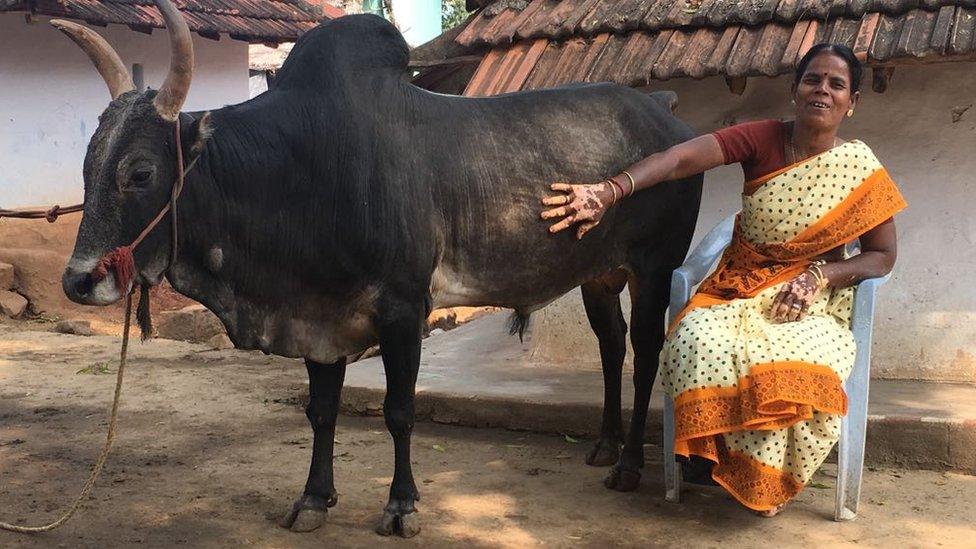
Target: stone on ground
pixel 74 327
pixel 220 342
pixel 194 323
pixel 7 280
pixel 12 304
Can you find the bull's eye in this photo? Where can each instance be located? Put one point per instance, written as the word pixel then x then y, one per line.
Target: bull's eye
pixel 140 177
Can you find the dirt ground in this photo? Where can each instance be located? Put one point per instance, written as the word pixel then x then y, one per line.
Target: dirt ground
pixel 213 447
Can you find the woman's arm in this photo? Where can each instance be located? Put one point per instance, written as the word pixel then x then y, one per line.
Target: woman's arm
pixel 693 156
pixel 877 257
pixel 586 204
pixel 879 249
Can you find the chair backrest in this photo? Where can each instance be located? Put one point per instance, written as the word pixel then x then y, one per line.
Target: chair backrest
pixel 699 262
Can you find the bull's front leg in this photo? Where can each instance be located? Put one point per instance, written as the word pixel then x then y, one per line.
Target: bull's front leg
pixel 400 336
pixel 324 388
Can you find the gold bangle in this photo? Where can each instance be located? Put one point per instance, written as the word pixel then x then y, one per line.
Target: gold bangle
pixel 633 184
pixel 614 190
pixel 818 273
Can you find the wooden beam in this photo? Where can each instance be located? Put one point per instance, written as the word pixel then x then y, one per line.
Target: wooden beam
pixel 922 61
pixel 880 76
pixel 737 85
pixel 461 60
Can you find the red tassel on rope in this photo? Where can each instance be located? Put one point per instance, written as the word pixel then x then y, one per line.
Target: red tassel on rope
pixel 122 264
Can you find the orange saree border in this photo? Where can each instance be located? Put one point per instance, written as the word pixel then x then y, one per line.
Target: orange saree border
pixel 872 203
pixel 753 483
pixel 771 396
pixel 750 481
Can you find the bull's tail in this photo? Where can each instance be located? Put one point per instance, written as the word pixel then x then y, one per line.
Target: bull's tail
pixel 518 323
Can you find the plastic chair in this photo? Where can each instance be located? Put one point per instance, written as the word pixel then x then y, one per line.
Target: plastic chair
pixel 850 449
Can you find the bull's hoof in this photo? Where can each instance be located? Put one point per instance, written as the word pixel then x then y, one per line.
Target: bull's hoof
pixel 605 452
pixel 622 479
pixel 308 513
pixel 399 518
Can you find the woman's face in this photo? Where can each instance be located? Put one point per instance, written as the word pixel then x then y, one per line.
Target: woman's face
pixel 823 95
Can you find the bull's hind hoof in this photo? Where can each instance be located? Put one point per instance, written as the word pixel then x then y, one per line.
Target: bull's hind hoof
pixel 399 518
pixel 622 480
pixel 405 526
pixel 307 514
pixel 605 452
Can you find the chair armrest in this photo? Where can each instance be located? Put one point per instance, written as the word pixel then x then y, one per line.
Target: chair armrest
pixel 862 317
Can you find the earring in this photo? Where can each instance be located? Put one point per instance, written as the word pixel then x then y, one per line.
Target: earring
pixel 850 113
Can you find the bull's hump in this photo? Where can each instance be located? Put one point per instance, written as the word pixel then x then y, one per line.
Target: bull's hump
pixel 344 48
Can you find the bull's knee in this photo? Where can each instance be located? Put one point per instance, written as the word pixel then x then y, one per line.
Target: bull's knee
pixel 398 420
pixel 320 414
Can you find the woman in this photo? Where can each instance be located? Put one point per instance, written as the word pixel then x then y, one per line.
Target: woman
pixel 757 359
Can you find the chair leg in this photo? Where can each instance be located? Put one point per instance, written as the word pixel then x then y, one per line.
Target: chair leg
pixel 850 450
pixel 672 470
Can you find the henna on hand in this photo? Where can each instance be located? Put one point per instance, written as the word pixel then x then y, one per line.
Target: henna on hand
pixel 583 204
pixel 794 299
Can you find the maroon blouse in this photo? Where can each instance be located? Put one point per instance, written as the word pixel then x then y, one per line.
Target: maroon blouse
pixel 758 146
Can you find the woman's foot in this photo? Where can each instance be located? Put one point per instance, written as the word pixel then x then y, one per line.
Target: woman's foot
pixel 770 513
pixel 697 470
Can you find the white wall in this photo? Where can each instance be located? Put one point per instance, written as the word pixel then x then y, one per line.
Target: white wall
pixel 926 320
pixel 51 96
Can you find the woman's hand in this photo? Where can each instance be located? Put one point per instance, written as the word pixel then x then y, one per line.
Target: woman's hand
pixel 793 301
pixel 584 204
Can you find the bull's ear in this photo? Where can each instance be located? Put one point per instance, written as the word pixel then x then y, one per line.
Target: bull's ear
pixel 194 133
pixel 667 98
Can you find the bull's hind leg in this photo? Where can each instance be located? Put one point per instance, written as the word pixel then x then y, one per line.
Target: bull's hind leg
pixel 400 335
pixel 602 302
pixel 324 387
pixel 649 295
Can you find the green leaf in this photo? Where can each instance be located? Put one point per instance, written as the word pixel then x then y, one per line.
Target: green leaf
pixel 571 439
pixel 438 447
pixel 95 369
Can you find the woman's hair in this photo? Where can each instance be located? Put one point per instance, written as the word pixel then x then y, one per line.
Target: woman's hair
pixel 839 50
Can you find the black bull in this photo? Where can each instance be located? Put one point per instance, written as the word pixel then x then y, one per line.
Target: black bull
pixel 337 209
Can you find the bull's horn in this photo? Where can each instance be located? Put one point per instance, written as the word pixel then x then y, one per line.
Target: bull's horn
pixel 172 94
pixel 103 55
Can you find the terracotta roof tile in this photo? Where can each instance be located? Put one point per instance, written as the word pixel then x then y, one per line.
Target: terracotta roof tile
pixel 591 17
pixel 634 41
pixel 249 20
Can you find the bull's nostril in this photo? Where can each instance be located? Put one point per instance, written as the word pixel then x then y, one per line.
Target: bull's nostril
pixel 77 284
pixel 84 285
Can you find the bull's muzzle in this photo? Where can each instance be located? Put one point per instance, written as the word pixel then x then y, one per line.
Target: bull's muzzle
pixel 80 286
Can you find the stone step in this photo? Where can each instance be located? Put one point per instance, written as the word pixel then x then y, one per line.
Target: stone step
pixel 478 375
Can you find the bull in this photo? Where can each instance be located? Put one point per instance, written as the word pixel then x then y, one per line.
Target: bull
pixel 336 210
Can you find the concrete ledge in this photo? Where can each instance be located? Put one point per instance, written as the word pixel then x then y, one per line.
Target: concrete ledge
pixel 479 376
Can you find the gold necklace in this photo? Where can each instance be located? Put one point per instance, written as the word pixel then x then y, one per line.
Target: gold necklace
pixel 794 156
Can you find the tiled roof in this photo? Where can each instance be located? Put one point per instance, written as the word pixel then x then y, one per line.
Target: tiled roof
pixel 554 42
pixel 248 20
